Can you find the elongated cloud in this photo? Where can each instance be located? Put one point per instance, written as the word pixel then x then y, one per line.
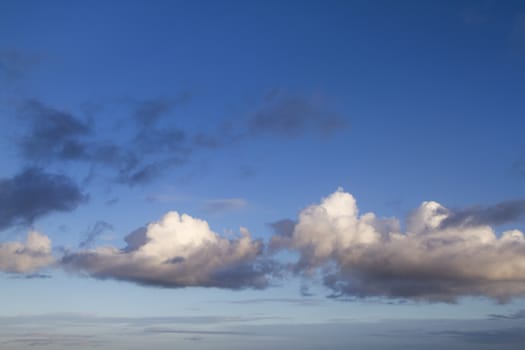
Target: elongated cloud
pixel 28 256
pixel 34 193
pixel 177 251
pixel 437 259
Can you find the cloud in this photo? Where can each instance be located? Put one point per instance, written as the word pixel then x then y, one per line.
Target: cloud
pixel 286 115
pixel 219 206
pixel 33 193
pixel 365 256
pixel 514 336
pixel 53 134
pixel 40 339
pixel 148 112
pixel 150 143
pixel 94 232
pixel 178 251
pixel 498 214
pixel 26 257
pixel 518 315
pixel 283 232
pixel 296 301
pixel 196 332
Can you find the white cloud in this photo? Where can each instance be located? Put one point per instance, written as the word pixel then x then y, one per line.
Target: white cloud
pixel 362 255
pixel 28 256
pixel 177 251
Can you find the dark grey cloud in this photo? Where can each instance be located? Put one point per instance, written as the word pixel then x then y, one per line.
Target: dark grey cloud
pixel 283 227
pixel 288 116
pixel 151 141
pixel 93 232
pixel 34 193
pixel 148 112
pixel 282 234
pixel 142 173
pixel 498 214
pixel 53 134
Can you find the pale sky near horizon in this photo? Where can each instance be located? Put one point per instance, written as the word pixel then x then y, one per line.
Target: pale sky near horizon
pixel 286 174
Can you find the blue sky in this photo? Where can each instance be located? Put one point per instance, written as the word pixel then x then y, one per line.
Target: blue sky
pixel 201 174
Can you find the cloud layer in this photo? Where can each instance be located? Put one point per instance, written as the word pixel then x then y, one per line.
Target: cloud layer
pixel 439 258
pixel 444 254
pixel 177 251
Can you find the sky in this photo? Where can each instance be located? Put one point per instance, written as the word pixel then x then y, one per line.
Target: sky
pixel 285 174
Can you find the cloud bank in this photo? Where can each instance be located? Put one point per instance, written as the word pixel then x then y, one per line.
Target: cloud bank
pixel 177 251
pixel 438 258
pixel 442 254
pixel 26 257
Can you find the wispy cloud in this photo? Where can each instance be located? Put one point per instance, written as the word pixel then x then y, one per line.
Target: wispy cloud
pixel 518 315
pixel 507 336
pixel 150 141
pixel 223 205
pixel 288 115
pixel 94 232
pixel 41 339
pixel 195 332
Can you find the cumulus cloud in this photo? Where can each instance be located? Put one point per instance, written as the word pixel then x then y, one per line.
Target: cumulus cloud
pixel 28 256
pixel 178 251
pixel 438 258
pixel 34 193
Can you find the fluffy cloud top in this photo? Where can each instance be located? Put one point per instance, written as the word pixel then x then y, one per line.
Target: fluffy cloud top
pixel 28 256
pixel 362 255
pixel 177 251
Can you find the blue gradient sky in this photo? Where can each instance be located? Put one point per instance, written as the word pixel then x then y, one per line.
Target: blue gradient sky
pixel 428 102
